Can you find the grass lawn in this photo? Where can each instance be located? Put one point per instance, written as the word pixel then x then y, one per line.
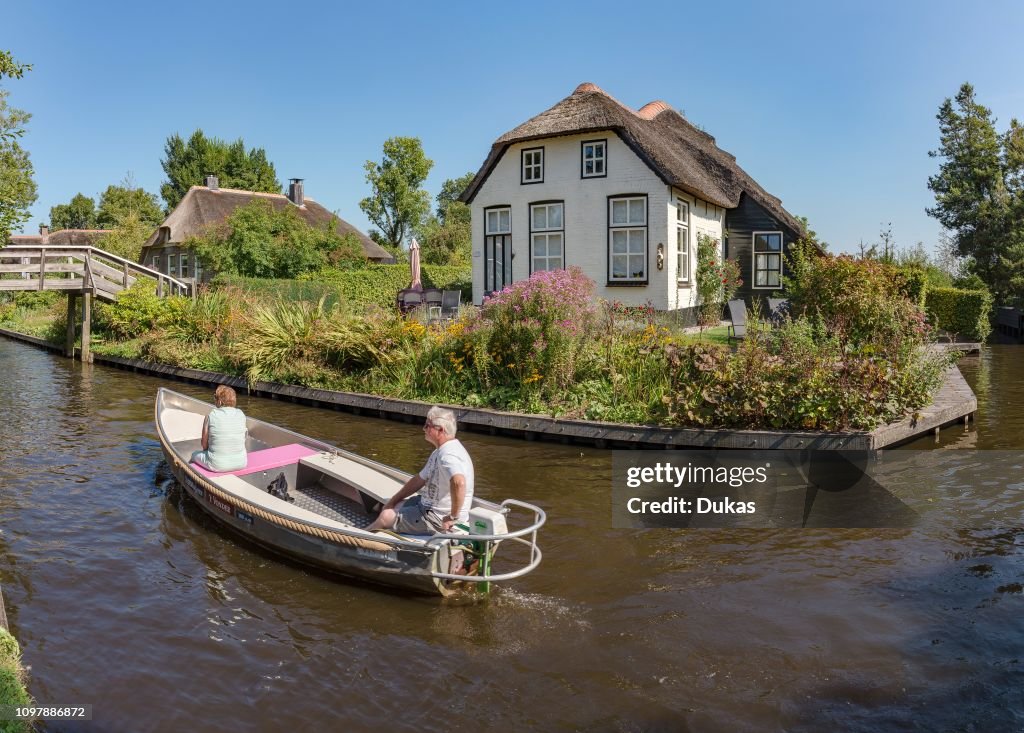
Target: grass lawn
pixel 716 335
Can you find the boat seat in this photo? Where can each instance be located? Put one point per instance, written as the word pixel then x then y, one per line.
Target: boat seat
pixel 263 460
pixel 182 425
pixel 370 482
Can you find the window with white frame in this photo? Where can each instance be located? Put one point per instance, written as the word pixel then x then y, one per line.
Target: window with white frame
pixel 547 236
pixel 184 265
pixel 499 221
pixel 627 239
pixel 172 265
pixel 593 163
pixel 154 262
pixel 533 165
pixel 682 241
pixel 767 259
pixel 198 270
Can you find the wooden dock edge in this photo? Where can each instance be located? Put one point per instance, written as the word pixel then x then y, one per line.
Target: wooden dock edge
pixel 954 402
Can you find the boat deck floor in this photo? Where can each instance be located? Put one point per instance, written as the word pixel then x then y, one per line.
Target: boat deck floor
pixel 330 504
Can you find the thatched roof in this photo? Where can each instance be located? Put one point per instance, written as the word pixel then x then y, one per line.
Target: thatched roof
pixel 62 237
pixel 204 207
pixel 679 153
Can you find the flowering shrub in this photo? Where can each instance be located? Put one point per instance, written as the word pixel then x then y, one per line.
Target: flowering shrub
pixel 797 377
pixel 536 329
pixel 717 280
pixel 860 302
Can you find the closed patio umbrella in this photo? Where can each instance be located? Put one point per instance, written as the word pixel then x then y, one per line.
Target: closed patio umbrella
pixel 414 264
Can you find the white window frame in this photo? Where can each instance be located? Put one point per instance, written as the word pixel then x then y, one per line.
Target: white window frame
pixel 154 263
pixel 197 269
pixel 754 252
pixel 683 253
pixel 596 159
pixel 629 226
pixel 535 166
pixel 547 233
pixel 488 230
pixel 172 265
pixel 183 265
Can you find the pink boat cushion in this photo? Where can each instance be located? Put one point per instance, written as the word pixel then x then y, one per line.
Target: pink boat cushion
pixel 262 460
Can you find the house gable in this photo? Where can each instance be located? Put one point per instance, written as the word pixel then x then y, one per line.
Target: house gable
pixel 583 204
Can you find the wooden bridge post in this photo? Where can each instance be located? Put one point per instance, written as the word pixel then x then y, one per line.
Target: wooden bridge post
pixel 86 325
pixel 42 267
pixel 69 342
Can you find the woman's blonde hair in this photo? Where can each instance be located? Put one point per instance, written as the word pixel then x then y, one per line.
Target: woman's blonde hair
pixel 224 396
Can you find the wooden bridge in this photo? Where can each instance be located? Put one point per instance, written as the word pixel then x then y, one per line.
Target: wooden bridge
pixel 85 272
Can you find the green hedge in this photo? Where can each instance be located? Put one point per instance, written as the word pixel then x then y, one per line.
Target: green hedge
pixel 961 312
pixel 914 285
pixel 378 284
pixel 12 691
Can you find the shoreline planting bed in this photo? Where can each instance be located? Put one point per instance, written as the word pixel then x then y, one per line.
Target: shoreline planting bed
pixel 851 358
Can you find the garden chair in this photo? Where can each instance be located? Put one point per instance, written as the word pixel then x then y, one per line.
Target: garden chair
pixel 451 303
pixel 738 316
pixel 409 299
pixel 432 298
pixel 778 310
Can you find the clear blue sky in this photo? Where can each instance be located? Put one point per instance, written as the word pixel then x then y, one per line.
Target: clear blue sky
pixel 830 108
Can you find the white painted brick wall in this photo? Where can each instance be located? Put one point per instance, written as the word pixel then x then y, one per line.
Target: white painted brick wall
pixel 586 217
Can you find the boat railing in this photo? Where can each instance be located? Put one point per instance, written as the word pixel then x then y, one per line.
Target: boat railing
pixel 526 536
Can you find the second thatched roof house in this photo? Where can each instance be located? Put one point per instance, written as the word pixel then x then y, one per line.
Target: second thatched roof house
pixel 623 194
pixel 206 206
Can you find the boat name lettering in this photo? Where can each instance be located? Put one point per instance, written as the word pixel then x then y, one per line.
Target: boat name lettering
pixel 222 505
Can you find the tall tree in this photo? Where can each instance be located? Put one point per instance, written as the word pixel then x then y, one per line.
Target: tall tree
pixel 188 163
pixel 127 236
pixel 397 202
pixel 446 238
pixel 258 240
pixel 119 203
pixel 17 187
pixel 79 213
pixel 979 192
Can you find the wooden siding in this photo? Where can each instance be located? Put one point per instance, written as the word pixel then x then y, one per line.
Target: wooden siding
pixel 741 223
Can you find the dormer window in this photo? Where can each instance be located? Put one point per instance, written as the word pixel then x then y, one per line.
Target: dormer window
pixel 592 164
pixel 533 165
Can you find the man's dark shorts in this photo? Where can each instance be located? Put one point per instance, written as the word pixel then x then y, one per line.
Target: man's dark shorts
pixel 412 518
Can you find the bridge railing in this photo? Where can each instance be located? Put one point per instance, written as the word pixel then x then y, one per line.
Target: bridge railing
pixel 77 268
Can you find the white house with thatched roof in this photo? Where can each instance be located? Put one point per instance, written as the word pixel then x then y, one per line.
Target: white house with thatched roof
pixel 203 207
pixel 623 194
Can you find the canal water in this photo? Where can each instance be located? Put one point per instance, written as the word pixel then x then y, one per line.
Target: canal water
pixel 125 597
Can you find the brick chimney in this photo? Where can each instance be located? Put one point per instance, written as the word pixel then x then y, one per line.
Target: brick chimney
pixel 44 232
pixel 212 183
pixel 295 191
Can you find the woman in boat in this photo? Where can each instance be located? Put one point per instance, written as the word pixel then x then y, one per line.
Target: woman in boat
pixel 224 434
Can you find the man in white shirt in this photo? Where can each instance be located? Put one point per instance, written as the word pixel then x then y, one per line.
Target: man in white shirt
pixel 446 482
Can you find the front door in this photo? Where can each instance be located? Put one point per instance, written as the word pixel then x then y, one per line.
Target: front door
pixel 497 262
pixel 497 248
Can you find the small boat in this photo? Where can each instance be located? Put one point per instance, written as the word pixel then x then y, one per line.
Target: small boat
pixel 332 495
